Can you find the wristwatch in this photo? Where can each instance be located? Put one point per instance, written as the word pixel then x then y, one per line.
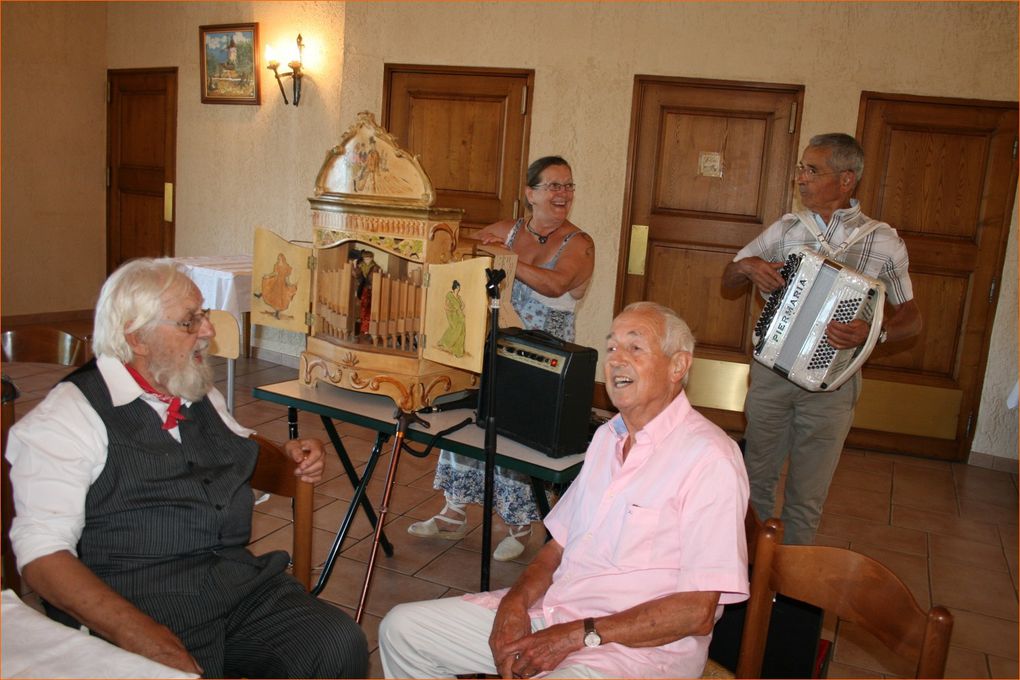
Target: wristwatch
pixel 591 636
pixel 883 335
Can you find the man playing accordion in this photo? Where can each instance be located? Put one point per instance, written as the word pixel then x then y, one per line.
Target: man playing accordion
pixel 783 418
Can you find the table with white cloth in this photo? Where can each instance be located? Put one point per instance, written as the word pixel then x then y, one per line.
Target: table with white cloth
pixel 225 283
pixel 35 646
pixel 225 280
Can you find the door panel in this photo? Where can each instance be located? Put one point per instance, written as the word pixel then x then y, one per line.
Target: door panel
pixel 472 165
pixel 135 216
pixel 139 146
pixel 941 300
pixel 686 274
pixel 946 163
pixel 943 173
pixel 712 165
pixel 691 183
pixel 470 128
pixel 141 159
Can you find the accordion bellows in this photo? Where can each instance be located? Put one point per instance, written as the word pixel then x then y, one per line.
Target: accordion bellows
pixel 790 335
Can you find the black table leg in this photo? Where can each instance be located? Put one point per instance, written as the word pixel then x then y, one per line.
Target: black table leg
pixel 352 474
pixel 541 500
pixel 360 485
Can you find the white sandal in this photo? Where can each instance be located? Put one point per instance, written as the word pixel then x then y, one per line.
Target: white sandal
pixel 510 548
pixel 432 528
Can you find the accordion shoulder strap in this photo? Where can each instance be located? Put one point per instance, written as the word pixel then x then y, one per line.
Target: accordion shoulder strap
pixel 807 218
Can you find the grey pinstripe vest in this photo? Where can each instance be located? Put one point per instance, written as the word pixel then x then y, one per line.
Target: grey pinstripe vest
pixel 161 512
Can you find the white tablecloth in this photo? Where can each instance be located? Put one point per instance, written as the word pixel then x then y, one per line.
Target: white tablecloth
pixel 225 281
pixel 35 646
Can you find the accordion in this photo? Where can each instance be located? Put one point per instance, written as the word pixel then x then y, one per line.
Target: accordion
pixel 790 336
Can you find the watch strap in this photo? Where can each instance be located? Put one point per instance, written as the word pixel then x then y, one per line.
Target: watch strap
pixel 591 636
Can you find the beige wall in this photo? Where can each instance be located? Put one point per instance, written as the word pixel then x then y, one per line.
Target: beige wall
pixel 240 167
pixel 996 432
pixel 53 155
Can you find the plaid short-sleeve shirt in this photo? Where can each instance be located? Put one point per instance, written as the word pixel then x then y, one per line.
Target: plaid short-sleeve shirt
pixel 881 254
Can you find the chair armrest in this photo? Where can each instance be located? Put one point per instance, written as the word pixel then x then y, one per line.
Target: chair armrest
pixel 274 473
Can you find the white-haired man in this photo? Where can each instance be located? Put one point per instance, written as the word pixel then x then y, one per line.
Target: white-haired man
pixel 133 505
pixel 647 544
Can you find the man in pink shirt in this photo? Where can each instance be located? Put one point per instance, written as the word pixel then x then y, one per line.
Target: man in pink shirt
pixel 647 544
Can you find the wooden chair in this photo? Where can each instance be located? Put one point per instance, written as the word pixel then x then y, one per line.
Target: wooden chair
pixel 32 344
pixel 226 344
pixel 752 527
pixel 11 578
pixel 714 669
pixel 44 345
pixel 274 473
pixel 855 588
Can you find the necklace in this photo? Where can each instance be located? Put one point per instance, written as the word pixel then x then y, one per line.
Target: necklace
pixel 541 239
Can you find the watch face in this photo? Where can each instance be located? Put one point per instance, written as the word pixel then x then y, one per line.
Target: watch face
pixel 592 639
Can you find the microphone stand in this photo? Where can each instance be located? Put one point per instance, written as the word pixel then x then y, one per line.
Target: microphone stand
pixel 493 279
pixel 404 421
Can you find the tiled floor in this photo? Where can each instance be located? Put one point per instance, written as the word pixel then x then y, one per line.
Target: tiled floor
pixel 948 530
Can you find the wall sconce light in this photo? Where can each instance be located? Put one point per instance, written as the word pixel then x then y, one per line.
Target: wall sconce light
pixel 295 70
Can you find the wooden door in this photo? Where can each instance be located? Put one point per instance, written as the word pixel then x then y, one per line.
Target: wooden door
pixel 711 165
pixel 141 152
pixel 943 172
pixel 470 127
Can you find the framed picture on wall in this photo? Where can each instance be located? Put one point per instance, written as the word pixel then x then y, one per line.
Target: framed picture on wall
pixel 229 62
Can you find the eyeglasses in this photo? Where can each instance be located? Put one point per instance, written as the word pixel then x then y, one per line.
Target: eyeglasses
pixel 556 186
pixel 812 172
pixel 192 323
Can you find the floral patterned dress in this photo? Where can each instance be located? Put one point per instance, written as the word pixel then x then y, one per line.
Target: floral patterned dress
pixel 463 478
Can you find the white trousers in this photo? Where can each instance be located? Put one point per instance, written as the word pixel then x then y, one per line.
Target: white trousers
pixel 447 637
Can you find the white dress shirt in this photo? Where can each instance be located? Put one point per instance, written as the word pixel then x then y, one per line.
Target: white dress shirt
pixel 59 449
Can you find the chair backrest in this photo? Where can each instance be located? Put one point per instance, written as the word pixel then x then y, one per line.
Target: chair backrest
pixel 274 473
pixel 752 527
pixel 227 343
pixel 10 577
pixel 42 344
pixel 852 586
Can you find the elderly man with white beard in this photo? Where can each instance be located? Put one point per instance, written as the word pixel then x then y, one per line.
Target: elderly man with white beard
pixel 134 508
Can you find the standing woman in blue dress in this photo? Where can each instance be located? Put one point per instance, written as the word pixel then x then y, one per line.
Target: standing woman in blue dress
pixel 555 261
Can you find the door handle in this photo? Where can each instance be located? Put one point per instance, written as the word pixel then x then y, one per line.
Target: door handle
pixel 638 249
pixel 168 201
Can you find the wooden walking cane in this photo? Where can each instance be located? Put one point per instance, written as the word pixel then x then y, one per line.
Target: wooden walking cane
pixel 404 420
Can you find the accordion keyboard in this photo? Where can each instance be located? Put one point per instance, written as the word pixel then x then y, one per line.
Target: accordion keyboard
pixel 774 299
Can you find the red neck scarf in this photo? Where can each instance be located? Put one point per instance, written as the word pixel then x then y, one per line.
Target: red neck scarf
pixel 174 413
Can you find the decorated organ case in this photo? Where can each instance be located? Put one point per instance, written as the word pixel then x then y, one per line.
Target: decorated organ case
pixel 395 307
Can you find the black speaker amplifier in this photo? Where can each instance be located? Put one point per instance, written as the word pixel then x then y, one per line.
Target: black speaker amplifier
pixel 543 389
